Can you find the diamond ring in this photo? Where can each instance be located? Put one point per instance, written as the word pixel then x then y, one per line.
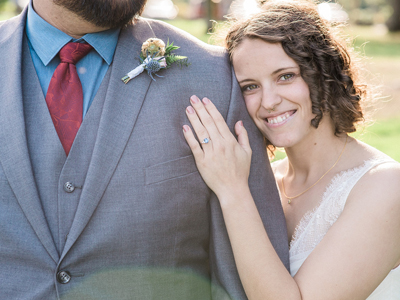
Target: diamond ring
pixel 206 141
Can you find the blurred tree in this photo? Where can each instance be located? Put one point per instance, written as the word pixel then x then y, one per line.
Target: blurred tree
pixel 212 8
pixel 393 23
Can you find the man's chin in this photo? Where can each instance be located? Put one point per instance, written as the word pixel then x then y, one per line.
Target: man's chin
pixel 105 13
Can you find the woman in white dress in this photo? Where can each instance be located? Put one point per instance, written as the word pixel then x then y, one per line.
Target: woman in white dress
pixel 341 197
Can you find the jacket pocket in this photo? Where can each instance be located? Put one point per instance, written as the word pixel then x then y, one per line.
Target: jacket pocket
pixel 170 170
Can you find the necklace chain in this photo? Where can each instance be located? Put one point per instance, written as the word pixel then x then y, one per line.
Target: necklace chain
pixel 291 198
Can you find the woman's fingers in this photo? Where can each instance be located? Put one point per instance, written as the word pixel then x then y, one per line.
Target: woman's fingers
pixel 198 127
pixel 243 138
pixel 225 163
pixel 219 121
pixel 209 124
pixel 205 118
pixel 192 142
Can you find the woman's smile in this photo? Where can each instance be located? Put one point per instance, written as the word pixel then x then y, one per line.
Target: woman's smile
pixel 278 120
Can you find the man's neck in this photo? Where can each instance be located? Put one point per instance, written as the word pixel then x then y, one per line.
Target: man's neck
pixel 63 19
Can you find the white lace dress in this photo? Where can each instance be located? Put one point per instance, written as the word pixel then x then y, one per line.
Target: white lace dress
pixel 315 224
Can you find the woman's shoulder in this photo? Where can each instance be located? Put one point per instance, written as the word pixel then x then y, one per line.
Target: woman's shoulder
pixel 383 175
pixel 360 153
pixel 380 183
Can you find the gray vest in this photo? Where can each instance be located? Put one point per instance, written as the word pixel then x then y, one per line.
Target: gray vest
pixel 59 179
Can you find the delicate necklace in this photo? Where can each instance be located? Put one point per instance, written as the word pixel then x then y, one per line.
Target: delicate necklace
pixel 291 198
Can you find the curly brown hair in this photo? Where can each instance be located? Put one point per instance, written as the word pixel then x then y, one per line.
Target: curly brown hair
pixel 325 61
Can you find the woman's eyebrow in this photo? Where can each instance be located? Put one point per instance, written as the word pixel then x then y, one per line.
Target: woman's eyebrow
pixel 244 80
pixel 283 69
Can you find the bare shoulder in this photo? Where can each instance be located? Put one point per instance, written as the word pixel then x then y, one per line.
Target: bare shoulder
pixel 379 187
pixel 385 170
pixel 384 178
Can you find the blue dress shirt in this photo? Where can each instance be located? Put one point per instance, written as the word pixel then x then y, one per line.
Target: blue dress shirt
pixel 45 41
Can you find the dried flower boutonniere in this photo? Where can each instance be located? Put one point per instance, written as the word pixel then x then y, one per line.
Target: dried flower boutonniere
pixel 154 57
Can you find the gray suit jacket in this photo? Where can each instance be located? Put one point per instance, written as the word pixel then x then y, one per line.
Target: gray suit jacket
pixel 141 223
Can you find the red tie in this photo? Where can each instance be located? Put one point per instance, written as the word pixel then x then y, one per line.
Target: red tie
pixel 65 96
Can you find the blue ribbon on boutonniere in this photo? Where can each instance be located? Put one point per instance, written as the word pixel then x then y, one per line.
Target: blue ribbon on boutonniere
pixel 154 57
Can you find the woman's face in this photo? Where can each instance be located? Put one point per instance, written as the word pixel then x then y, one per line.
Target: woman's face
pixel 276 96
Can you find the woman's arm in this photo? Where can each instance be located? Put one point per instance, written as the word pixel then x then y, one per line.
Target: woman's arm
pixel 353 258
pixel 226 173
pixel 262 274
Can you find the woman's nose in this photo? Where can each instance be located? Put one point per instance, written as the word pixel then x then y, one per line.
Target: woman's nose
pixel 270 99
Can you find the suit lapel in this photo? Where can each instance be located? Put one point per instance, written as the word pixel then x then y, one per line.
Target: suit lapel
pixel 14 154
pixel 122 105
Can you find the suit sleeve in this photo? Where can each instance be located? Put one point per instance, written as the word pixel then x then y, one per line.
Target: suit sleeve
pixel 225 279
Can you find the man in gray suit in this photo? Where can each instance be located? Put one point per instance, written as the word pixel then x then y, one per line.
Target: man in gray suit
pixel 123 213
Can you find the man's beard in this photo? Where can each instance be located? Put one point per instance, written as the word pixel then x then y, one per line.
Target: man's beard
pixel 105 13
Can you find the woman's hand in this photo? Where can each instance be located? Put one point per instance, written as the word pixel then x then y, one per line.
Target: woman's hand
pixel 223 162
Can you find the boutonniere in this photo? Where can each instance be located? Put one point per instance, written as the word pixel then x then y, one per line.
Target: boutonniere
pixel 154 57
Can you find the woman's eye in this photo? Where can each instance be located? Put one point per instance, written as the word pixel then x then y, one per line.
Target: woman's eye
pixel 249 87
pixel 286 77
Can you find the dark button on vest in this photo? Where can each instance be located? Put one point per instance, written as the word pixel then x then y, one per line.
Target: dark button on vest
pixel 63 277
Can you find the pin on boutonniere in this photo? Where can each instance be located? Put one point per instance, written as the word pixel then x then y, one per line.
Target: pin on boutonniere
pixel 154 57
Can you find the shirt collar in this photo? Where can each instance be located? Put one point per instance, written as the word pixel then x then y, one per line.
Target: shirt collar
pixel 47 41
pixel 104 43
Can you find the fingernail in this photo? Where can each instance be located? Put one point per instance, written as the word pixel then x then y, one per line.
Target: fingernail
pixel 190 110
pixel 206 101
pixel 186 128
pixel 194 99
pixel 241 123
